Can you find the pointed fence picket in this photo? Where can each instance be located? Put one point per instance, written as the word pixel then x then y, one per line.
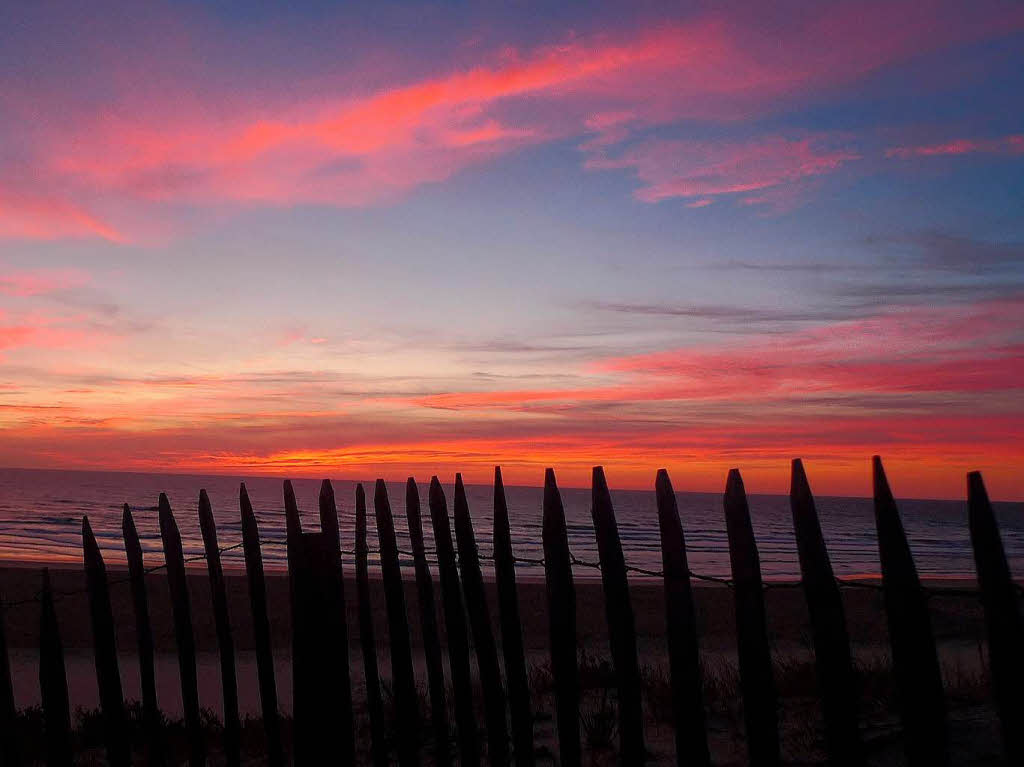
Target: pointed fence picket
pixel 367 641
pixel 225 642
pixel 322 704
pixel 144 640
pixel 407 709
pixel 836 678
pixel 511 631
pixel 428 625
pixel 1001 601
pixel 621 624
pixel 455 626
pixel 108 675
pixel 300 592
pixel 681 633
pixel 915 660
pixel 322 690
pixel 480 624
pixel 760 704
pixel 174 559
pixel 561 623
pixel 333 633
pixel 261 630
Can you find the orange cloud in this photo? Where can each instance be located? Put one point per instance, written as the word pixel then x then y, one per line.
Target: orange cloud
pixel 927 455
pixel 934 389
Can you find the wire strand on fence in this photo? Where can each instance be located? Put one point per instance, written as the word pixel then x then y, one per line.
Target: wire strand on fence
pixel 853 583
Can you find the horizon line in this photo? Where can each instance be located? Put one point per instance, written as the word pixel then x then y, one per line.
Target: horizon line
pixel 540 486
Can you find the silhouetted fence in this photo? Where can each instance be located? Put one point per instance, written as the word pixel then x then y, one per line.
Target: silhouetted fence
pixel 322 690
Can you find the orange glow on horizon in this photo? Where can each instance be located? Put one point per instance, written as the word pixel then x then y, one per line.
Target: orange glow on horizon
pixel 916 471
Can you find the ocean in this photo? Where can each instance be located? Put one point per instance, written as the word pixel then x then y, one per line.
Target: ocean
pixel 41 513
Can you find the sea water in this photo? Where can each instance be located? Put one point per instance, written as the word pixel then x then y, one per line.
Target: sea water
pixel 41 513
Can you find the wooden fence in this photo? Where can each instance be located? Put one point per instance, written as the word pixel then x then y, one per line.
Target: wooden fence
pixel 322 704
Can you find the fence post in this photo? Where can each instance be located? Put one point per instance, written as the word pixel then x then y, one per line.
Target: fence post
pixel 53 683
pixel 480 624
pixel 428 624
pixel 144 639
pixel 374 705
pixel 621 623
pixel 299 594
pixel 681 625
pixel 406 701
pixel 225 642
pixel 759 698
pixel 175 560
pixel 108 675
pixel 919 676
pixel 321 686
pixel 10 753
pixel 1001 600
pixel 561 594
pixel 334 619
pixel 915 661
pixel 836 679
pixel 511 630
pixel 455 627
pixel 261 629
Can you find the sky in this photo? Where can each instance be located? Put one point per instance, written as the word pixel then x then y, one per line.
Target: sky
pixel 394 238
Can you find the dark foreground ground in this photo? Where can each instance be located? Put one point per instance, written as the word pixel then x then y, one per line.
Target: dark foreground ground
pixel 957 622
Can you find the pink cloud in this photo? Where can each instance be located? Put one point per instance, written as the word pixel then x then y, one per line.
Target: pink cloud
pixel 355 151
pixel 349 148
pixel 35 282
pixel 12 336
pixel 38 331
pixel 291 336
pixel 957 350
pixel 369 149
pixel 1012 145
pixel 24 215
pixel 935 386
pixel 703 170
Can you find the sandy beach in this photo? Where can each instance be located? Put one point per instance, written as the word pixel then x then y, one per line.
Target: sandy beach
pixel 957 620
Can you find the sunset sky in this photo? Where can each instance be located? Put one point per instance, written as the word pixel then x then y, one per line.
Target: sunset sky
pixel 407 238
